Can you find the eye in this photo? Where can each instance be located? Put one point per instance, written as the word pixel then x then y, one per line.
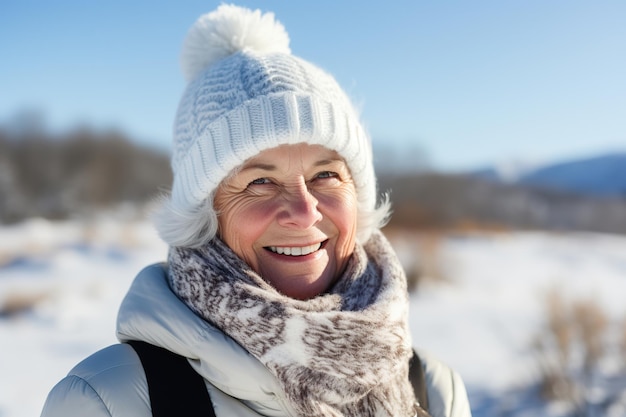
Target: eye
pixel 327 174
pixel 260 181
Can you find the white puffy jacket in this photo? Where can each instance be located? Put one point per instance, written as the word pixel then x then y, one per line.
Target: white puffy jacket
pixel 112 383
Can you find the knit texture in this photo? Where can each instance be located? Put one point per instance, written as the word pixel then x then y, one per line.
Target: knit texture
pixel 344 353
pixel 252 97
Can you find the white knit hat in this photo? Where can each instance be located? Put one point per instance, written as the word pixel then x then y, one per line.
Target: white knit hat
pixel 246 94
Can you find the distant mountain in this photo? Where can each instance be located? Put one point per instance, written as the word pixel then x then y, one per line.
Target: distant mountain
pixel 507 171
pixel 597 176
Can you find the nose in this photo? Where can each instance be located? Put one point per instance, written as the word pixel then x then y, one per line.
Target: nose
pixel 300 208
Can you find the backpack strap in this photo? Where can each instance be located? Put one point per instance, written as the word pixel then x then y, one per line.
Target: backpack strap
pixel 418 380
pixel 175 388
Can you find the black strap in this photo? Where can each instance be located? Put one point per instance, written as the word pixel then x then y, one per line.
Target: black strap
pixel 418 380
pixel 175 388
pixel 174 385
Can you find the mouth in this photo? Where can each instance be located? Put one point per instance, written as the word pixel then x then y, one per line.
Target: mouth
pixel 296 250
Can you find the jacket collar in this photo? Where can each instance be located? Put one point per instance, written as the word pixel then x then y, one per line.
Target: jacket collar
pixel 151 312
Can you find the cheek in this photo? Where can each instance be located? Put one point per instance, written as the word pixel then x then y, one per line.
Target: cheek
pixel 241 222
pixel 341 210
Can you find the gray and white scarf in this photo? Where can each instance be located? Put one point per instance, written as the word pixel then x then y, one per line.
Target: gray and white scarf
pixel 343 353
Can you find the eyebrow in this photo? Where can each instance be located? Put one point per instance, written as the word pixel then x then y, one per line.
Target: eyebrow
pixel 271 167
pixel 264 167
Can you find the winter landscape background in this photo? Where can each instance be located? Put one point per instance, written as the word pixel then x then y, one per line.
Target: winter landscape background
pixel 518 282
pixel 497 126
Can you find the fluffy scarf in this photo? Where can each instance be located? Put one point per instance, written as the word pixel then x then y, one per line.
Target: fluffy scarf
pixel 343 353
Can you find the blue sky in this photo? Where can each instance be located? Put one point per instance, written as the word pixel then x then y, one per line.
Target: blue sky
pixel 469 82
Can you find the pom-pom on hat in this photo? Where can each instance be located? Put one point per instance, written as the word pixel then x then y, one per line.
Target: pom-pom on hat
pixel 246 93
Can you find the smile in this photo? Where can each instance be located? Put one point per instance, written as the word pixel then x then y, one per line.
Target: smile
pixel 296 250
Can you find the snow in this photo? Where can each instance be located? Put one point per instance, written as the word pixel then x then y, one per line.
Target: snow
pixel 495 299
pixel 480 316
pixel 80 272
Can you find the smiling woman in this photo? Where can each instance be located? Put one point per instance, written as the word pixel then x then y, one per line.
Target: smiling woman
pixel 280 291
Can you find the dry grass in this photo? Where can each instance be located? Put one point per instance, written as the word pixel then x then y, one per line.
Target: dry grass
pixel 571 348
pixel 591 323
pixel 19 302
pixel 425 262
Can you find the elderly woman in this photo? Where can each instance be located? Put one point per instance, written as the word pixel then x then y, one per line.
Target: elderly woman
pixel 280 292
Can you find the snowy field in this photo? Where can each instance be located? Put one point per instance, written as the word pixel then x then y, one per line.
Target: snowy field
pixel 61 283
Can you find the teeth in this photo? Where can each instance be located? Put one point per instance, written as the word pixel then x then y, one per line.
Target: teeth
pixel 295 251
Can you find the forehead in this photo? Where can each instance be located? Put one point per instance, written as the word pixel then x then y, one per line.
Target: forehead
pixel 287 154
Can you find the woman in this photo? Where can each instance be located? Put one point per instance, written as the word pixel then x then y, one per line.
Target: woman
pixel 279 290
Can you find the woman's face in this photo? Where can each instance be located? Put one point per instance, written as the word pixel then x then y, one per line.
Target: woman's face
pixel 290 213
